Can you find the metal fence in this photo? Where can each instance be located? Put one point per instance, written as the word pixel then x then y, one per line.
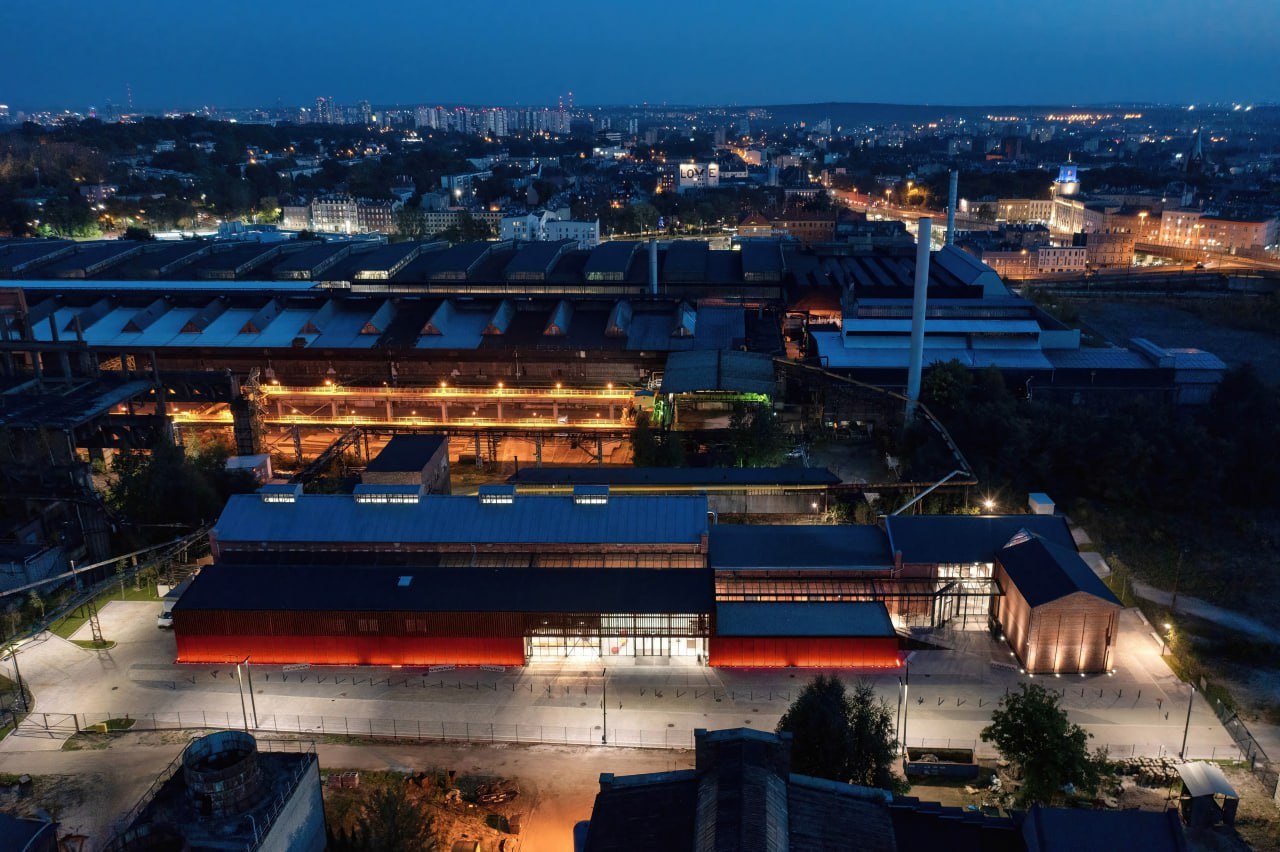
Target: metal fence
pixel 62 725
pixel 1251 752
pixel 1115 751
pixel 422 730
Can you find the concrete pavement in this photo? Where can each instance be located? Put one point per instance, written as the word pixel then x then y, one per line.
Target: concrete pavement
pixel 1141 709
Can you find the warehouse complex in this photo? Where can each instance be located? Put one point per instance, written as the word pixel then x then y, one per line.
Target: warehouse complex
pixel 391 575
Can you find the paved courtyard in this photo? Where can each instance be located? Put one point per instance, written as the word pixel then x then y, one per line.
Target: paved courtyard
pixel 1141 709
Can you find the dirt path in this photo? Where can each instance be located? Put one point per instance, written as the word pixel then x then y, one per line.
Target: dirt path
pixel 1227 618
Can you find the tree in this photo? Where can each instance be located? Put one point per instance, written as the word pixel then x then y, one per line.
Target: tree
pixel 842 735
pixel 1031 731
pixel 168 487
pixel 755 436
pixel 411 223
pixel 390 821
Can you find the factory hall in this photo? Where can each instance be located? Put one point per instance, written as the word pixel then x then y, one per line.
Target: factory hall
pixel 393 575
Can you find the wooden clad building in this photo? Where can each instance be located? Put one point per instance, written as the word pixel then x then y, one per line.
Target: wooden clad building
pixel 1056 614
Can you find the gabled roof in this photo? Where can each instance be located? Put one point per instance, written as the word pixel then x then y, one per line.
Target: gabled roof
pixel 1044 572
pixel 719 370
pixel 937 539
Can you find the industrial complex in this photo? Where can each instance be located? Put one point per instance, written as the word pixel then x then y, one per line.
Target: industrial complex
pixel 390 575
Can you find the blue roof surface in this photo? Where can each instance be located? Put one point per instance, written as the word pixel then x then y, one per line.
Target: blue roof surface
pixel 1045 572
pixel 346 588
pixel 790 547
pixel 325 518
pixel 961 539
pixel 807 618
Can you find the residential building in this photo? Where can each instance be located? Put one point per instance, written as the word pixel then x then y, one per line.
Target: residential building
pixel 1016 210
pixel 1192 228
pixel 1051 259
pixel 1108 248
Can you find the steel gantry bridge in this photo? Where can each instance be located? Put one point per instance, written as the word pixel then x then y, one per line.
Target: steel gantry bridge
pixel 498 407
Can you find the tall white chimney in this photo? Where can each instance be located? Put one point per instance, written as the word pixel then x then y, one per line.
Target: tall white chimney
pixel 951 207
pixel 919 301
pixel 653 267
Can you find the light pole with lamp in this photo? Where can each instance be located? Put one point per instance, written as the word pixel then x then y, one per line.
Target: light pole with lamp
pixel 1187 727
pixel 905 683
pixel 240 681
pixel 1164 637
pixel 604 708
pixel 17 676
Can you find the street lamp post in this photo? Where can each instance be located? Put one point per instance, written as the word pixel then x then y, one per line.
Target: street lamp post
pixel 1164 638
pixel 1187 727
pixel 17 676
pixel 604 708
pixel 905 680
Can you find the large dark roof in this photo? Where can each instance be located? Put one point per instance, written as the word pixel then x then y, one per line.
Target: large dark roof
pixel 624 477
pixel 936 539
pixel 751 546
pixel 406 453
pixel 740 798
pixel 1044 572
pixel 862 619
pixel 645 812
pixel 1071 830
pixel 719 370
pixel 344 588
pixel 339 519
pixel 931 825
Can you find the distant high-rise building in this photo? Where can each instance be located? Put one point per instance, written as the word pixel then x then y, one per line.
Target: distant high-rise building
pixel 324 111
pixel 423 117
pixel 366 113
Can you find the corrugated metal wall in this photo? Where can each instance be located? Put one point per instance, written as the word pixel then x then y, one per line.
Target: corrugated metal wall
pixel 840 652
pixel 352 650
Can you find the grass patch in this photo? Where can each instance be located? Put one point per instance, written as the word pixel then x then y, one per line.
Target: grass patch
pixel 79 616
pixel 97 736
pixel 90 644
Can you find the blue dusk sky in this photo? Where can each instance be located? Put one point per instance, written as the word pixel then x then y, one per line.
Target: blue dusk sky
pixel 233 53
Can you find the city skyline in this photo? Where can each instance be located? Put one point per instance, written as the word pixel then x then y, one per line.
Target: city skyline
pixel 676 55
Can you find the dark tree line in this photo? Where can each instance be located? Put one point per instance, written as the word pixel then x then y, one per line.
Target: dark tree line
pixel 1142 453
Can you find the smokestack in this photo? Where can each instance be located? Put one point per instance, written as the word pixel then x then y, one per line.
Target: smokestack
pixel 919 301
pixel 951 207
pixel 653 267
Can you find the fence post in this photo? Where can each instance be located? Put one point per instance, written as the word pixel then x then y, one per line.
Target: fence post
pixel 394 733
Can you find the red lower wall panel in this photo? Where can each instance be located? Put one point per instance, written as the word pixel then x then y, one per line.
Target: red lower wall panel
pixel 353 650
pixel 804 652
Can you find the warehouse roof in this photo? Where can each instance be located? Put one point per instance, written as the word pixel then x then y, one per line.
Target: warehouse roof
pixel 437 518
pixel 937 539
pixel 406 453
pixel 345 588
pixel 683 477
pixel 1045 572
pixel 803 618
pixel 719 370
pixel 1053 829
pixel 750 546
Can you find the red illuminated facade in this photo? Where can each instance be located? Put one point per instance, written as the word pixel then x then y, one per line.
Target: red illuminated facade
pixel 805 652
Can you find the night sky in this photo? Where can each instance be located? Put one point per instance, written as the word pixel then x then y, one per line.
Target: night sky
pixel 234 53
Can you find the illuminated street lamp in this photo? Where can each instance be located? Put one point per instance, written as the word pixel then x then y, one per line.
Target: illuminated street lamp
pixel 1165 636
